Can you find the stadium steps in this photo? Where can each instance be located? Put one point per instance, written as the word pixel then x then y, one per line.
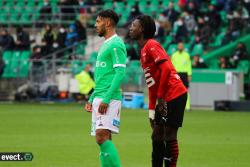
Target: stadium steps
pixel 8 87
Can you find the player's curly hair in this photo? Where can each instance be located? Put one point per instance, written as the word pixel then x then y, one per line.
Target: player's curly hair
pixel 109 14
pixel 148 25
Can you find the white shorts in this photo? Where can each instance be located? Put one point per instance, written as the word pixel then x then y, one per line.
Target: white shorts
pixel 110 120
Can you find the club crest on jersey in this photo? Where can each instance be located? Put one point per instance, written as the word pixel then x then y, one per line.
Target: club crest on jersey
pixel 149 79
pixel 101 64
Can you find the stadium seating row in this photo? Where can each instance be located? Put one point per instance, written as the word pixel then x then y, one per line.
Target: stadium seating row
pixel 27 12
pixel 16 64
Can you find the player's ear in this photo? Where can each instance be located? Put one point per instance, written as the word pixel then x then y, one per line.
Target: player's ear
pixel 108 23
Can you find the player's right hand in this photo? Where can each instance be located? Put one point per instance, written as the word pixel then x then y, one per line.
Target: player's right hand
pixel 88 107
pixel 162 107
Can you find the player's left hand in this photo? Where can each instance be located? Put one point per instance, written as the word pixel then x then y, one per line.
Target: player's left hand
pixel 103 107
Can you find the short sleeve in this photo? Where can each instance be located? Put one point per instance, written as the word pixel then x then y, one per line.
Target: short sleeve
pixel 118 55
pixel 156 52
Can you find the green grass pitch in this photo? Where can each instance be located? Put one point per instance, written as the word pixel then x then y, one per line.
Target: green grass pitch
pixel 58 136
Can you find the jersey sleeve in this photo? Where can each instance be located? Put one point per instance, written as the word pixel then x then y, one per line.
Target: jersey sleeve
pixel 157 52
pixel 152 97
pixel 118 55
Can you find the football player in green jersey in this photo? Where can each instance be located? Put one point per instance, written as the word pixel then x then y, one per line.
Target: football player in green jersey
pixel 105 101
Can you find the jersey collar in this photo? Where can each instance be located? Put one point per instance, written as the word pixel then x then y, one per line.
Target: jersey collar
pixel 110 38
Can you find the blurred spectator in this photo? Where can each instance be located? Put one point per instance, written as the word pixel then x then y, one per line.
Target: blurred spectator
pixel 85 82
pixel 36 53
pixel 61 37
pixel 48 38
pixel 2 65
pixel 231 5
pixel 180 30
pixel 61 40
pixel 246 3
pixel 160 33
pixel 81 30
pixel 45 11
pixel 240 53
pixel 182 63
pixel 37 63
pixel 23 39
pixel 227 38
pixel 213 17
pixel 6 41
pixel 135 11
pixel 170 13
pixel 82 6
pixel 193 10
pixel 132 50
pixel 203 31
pixel 197 62
pixel 189 21
pixel 236 24
pixel 224 63
pixel 94 2
pixel 67 8
pixel 72 36
pixel 182 4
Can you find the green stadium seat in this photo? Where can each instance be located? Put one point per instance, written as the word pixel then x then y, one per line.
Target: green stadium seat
pixel 76 66
pixel 133 72
pixel 154 3
pixel 197 50
pixel 214 64
pixel 244 65
pixel 218 40
pixel 25 55
pixel 20 3
pixel 7 55
pixel 171 49
pixel 135 63
pixel 24 68
pixel 16 55
pixel 14 68
pixel 30 4
pixel 167 41
pixel 108 5
pixel 165 3
pixel 80 49
pixel 130 3
pixel 93 56
pixel 119 8
pixel 10 3
pixel 14 17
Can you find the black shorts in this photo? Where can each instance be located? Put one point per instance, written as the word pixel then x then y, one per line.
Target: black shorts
pixel 184 78
pixel 176 108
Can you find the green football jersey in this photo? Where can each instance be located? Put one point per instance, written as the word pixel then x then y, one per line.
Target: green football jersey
pixel 111 56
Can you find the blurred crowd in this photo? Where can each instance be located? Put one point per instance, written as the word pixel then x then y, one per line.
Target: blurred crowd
pixel 193 22
pixel 53 38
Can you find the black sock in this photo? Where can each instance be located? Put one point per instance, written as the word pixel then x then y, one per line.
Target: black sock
pixel 158 153
pixel 167 154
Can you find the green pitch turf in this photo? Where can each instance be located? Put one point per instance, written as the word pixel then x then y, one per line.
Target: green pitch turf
pixel 58 136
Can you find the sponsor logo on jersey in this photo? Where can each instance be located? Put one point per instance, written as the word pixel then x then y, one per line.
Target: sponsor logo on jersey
pixel 101 64
pixel 116 123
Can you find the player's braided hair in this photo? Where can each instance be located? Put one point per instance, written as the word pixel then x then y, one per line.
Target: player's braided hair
pixel 148 25
pixel 109 14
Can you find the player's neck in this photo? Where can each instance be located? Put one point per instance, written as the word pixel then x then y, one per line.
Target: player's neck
pixel 142 42
pixel 109 34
